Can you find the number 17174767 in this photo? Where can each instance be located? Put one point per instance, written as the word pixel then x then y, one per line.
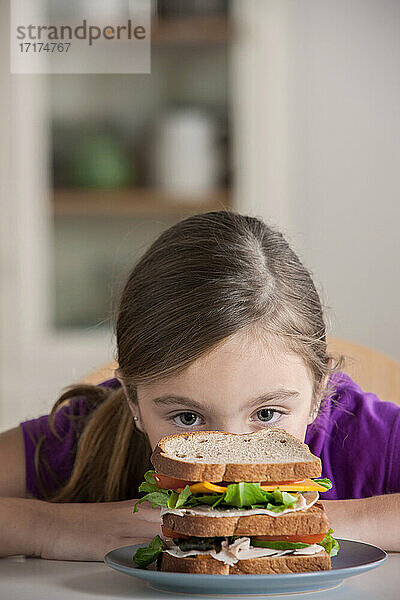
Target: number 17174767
pixel 44 47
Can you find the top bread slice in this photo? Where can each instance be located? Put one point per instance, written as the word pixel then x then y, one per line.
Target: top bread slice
pixel 266 455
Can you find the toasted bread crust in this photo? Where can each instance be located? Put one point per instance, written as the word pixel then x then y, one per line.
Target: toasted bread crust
pixel 232 472
pixel 303 522
pixel 289 563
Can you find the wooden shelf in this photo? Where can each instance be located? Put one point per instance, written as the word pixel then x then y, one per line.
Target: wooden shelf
pixel 133 202
pixel 191 30
pixel 184 30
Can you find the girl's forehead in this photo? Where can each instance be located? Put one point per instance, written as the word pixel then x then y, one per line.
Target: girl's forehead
pixel 244 353
pixel 233 371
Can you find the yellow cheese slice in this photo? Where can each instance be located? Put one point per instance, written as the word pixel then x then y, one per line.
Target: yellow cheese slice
pixel 303 486
pixel 205 487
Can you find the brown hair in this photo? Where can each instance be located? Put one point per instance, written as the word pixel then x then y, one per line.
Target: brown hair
pixel 202 280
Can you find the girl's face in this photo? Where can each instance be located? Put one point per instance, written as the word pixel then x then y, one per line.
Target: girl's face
pixel 239 387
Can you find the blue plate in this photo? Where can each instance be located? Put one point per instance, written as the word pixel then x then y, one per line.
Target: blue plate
pixel 353 558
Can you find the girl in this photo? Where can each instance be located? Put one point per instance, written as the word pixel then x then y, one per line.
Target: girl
pixel 219 327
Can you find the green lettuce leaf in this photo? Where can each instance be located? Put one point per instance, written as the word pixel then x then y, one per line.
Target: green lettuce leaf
pixel 156 499
pixel 156 495
pixel 330 544
pixel 238 495
pixel 196 499
pixel 244 494
pixel 149 484
pixel 324 481
pixel 217 501
pixel 145 556
pixel 176 500
pixel 279 545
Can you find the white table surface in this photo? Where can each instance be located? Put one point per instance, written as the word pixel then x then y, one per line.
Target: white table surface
pixel 24 578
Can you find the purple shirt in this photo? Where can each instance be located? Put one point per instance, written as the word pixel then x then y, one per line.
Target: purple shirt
pixel 356 435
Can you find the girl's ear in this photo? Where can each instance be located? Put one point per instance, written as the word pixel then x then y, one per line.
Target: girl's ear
pixel 133 407
pixel 136 416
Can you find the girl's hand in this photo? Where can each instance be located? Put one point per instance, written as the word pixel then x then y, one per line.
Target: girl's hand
pixel 374 520
pixel 87 531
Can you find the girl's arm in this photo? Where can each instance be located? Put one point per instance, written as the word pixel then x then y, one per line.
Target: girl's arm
pixel 19 519
pixel 374 520
pixel 72 531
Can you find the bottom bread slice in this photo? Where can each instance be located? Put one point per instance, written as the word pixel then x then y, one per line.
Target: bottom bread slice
pixel 289 563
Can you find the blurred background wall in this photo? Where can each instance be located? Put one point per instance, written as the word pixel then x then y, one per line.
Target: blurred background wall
pixel 284 109
pixel 320 91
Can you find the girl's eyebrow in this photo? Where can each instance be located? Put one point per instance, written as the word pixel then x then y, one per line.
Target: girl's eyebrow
pixel 279 394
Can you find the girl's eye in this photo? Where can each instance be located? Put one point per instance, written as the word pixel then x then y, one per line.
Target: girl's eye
pixel 268 415
pixel 186 419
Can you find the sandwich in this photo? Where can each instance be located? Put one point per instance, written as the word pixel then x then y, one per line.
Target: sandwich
pixel 237 504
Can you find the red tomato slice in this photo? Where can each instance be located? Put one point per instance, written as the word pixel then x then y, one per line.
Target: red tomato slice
pixel 306 539
pixel 170 483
